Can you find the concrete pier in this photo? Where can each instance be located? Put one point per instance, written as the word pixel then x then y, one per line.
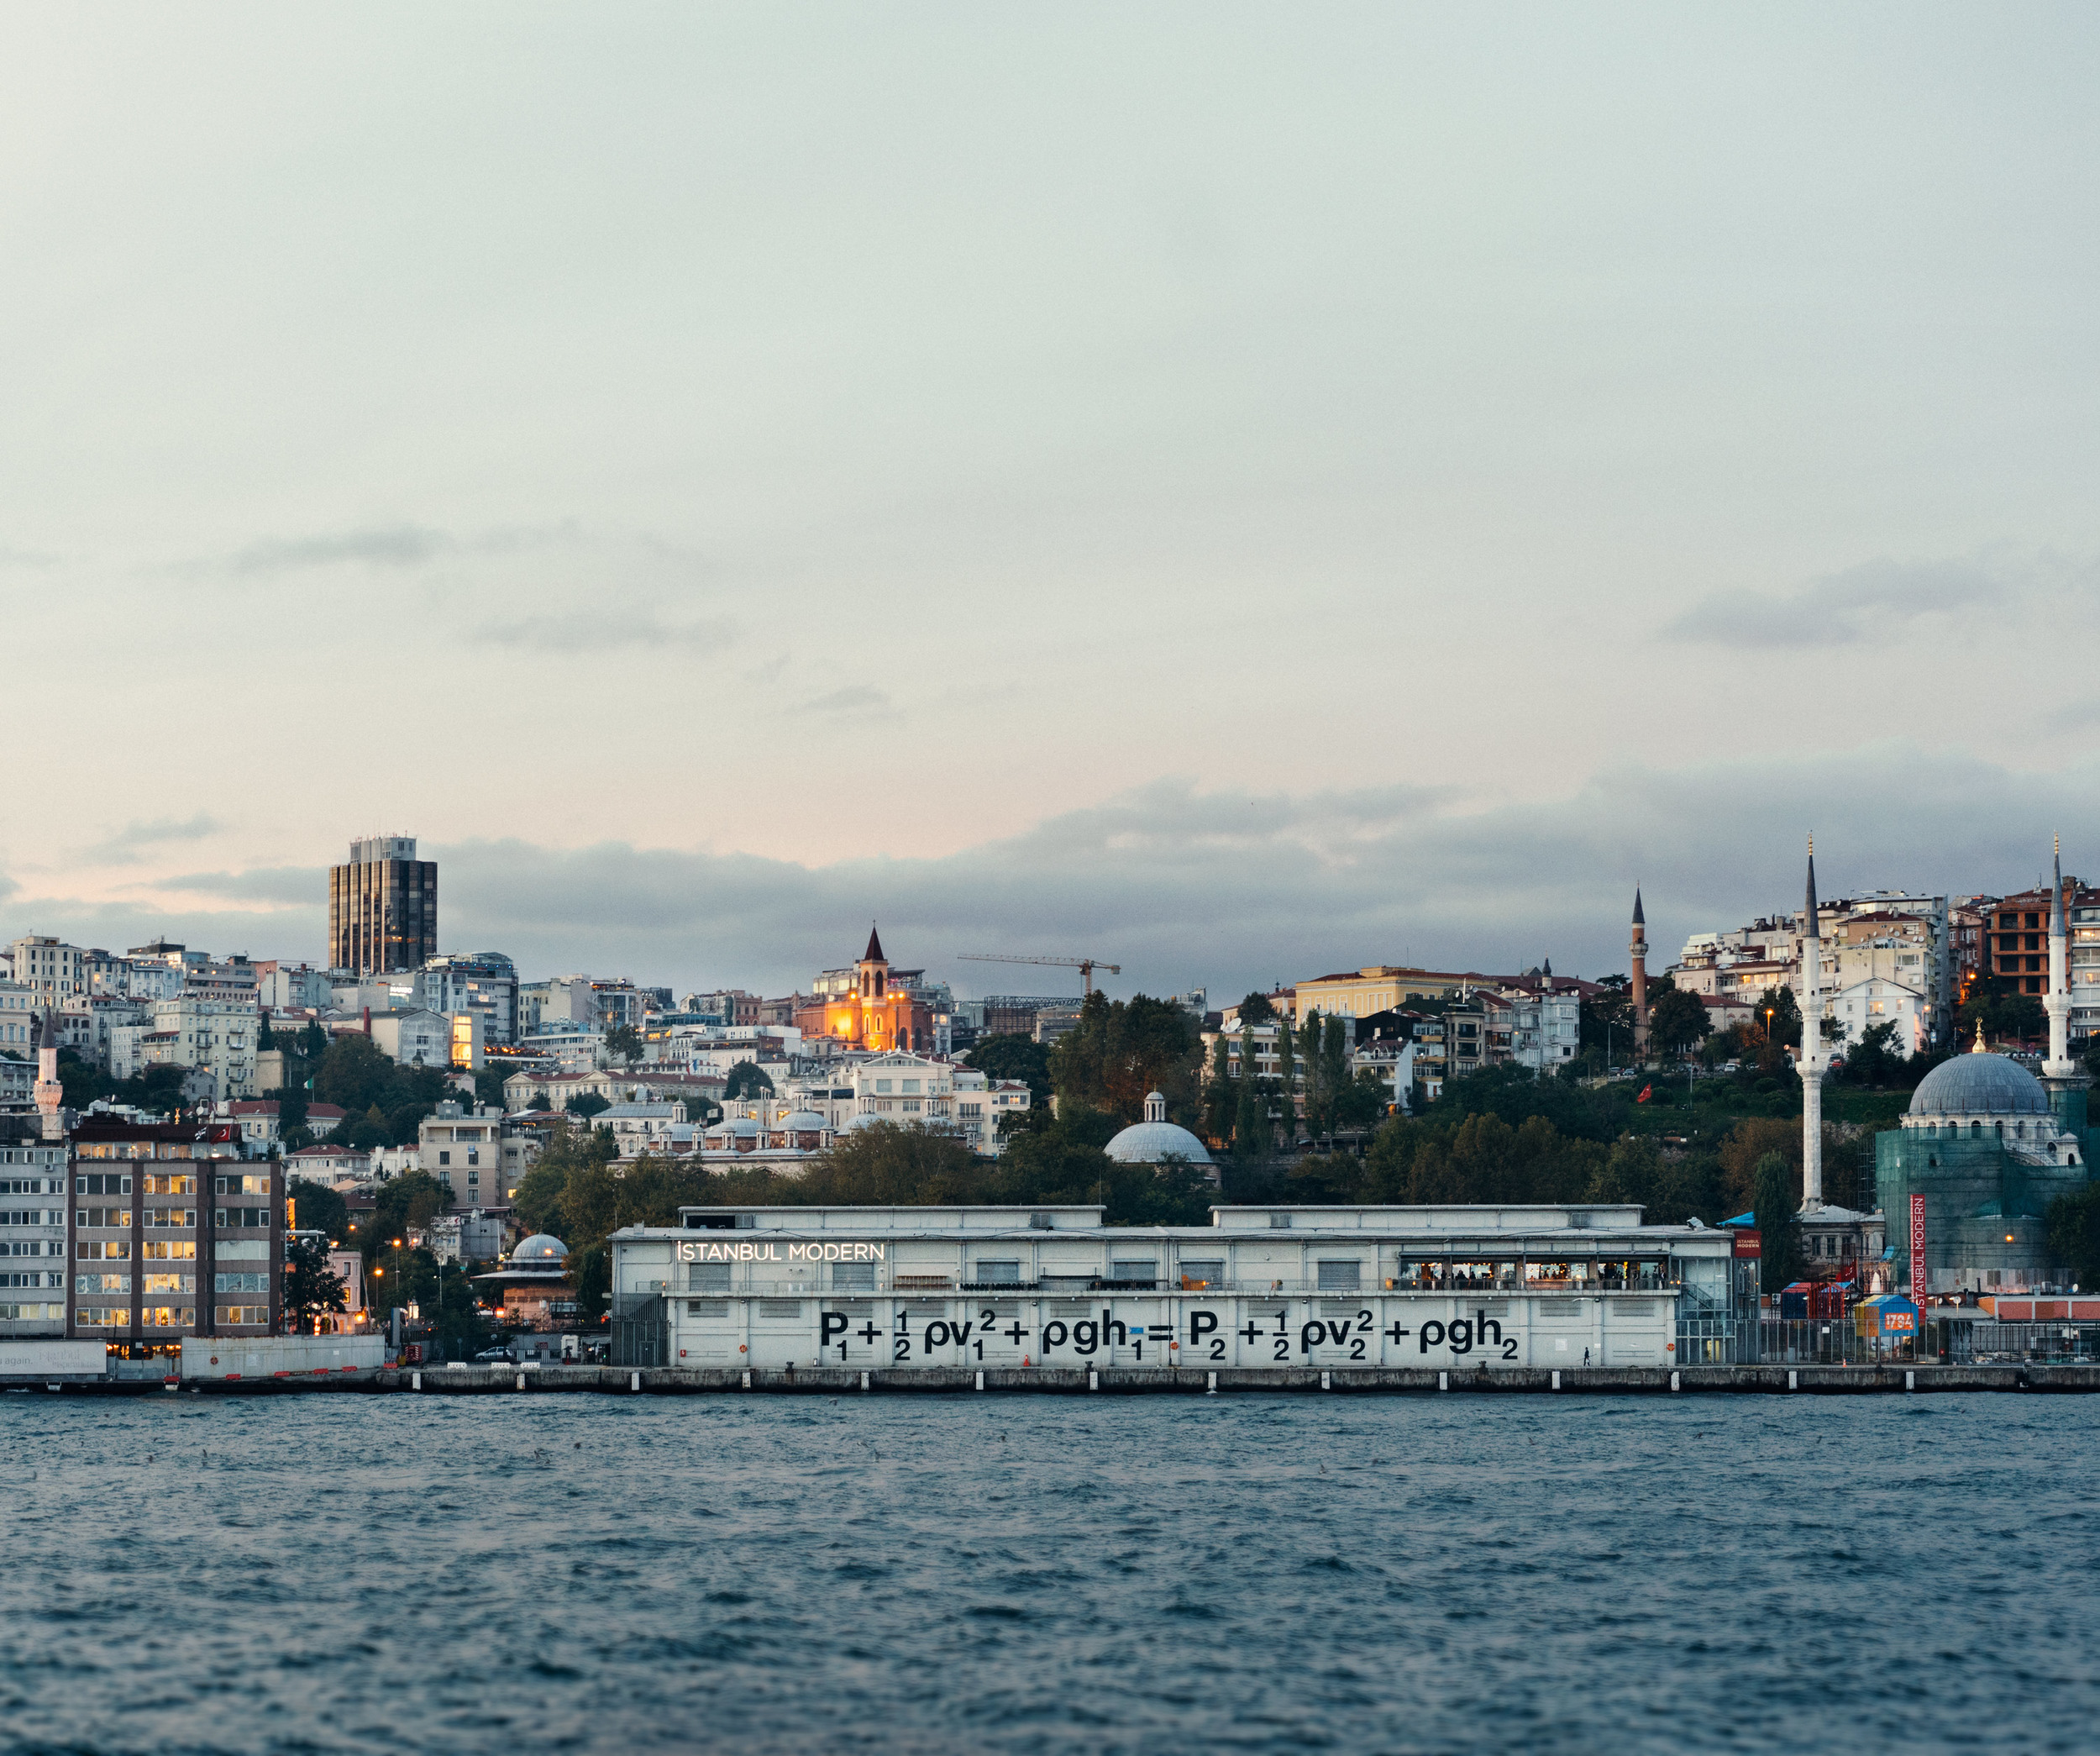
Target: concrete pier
pixel 1898 1379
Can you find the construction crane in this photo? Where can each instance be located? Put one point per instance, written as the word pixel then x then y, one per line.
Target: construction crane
pixel 1085 966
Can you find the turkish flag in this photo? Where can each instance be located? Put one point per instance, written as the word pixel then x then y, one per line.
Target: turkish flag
pixel 1646 1092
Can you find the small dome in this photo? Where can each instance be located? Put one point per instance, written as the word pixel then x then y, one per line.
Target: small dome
pixel 539 1250
pixel 1151 1143
pixel 1979 1085
pixel 802 1121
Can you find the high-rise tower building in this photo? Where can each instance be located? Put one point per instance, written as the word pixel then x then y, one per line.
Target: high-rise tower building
pixel 382 908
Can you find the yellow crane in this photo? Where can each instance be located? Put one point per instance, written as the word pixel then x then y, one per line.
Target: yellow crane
pixel 1085 966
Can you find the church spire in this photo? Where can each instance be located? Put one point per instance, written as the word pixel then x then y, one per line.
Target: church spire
pixel 873 955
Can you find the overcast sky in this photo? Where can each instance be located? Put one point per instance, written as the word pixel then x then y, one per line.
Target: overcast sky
pixel 1240 491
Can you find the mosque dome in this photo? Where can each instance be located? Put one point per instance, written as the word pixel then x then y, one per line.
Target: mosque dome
pixel 539 1251
pixel 1979 1085
pixel 1156 1140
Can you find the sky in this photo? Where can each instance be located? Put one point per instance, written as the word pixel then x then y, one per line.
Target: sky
pixel 1238 491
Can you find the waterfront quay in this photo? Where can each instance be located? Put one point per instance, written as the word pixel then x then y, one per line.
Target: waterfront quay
pixel 832 1381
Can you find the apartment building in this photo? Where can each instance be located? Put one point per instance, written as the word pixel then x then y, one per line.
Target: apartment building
pixel 33 1201
pixel 172 1235
pixel 51 969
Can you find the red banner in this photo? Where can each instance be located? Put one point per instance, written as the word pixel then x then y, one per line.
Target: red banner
pixel 1920 1285
pixel 1749 1242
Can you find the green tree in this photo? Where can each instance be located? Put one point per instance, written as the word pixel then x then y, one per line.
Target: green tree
pixel 1286 1073
pixel 319 1208
pixel 748 1079
pixel 1606 1018
pixel 1335 1043
pixel 1219 1097
pixel 1256 1009
pixel 624 1041
pixel 1875 1060
pixel 1676 1020
pixel 2073 1234
pixel 1118 1052
pixel 541 1191
pixel 600 1196
pixel 265 1038
pixel 310 1286
pixel 1250 1121
pixel 1777 1189
pixel 1011 1055
pixel 1361 1104
pixel 313 1041
pixel 584 1105
pixel 488 1086
pixel 409 1201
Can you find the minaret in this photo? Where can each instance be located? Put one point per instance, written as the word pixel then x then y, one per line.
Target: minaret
pixel 2064 1079
pixel 1638 951
pixel 1811 1063
pixel 50 1094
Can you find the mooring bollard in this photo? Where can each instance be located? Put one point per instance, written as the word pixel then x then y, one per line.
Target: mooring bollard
pixel 1557 1381
pixel 1793 1381
pixel 980 1381
pixel 1674 1386
pixel 1094 1381
pixel 1326 1381
pixel 1443 1380
pixel 747 1380
pixel 1211 1389
pixel 415 1380
pixel 863 1380
pixel 634 1381
pixel 1910 1380
pixel 520 1381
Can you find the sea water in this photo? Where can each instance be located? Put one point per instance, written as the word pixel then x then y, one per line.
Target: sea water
pixel 972 1573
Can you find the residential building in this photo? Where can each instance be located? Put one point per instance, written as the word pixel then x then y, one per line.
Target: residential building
pixel 338 1167
pixel 172 1234
pixel 1380 988
pixel 51 969
pixel 19 1009
pixel 281 986
pixel 414 1037
pixel 2016 944
pixel 464 1148
pixel 382 908
pixel 485 982
pixel 88 1019
pixel 1861 1005
pixel 214 1038
pixel 33 1231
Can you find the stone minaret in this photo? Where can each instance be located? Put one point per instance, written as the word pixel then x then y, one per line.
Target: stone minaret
pixel 2064 1079
pixel 50 1094
pixel 1638 951
pixel 1812 1064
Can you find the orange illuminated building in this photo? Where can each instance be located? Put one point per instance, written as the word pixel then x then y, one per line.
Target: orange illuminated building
pixel 874 1014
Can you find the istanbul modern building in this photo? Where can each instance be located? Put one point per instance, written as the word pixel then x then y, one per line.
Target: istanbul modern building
pixel 1461 1287
pixel 382 908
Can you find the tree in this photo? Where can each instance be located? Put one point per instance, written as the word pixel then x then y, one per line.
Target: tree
pixel 488 1086
pixel 405 1203
pixel 393 1099
pixel 1009 1055
pixel 1607 1022
pixel 539 1201
pixel 1876 1059
pixel 1362 1102
pixel 318 1208
pixel 1286 1073
pixel 625 1041
pixel 313 1041
pixel 1256 1009
pixel 2074 1235
pixel 1219 1098
pixel 265 1038
pixel 1780 1018
pixel 2005 1014
pixel 1250 1121
pixel 1118 1052
pixel 1676 1020
pixel 587 1104
pixel 1776 1186
pixel 748 1079
pixel 310 1286
pixel 1334 1067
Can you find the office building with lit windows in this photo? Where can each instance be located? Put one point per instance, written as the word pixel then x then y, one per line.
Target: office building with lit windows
pixel 382 908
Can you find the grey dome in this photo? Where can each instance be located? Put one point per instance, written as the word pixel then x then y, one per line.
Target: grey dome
pixel 1979 1085
pixel 1149 1143
pixel 539 1248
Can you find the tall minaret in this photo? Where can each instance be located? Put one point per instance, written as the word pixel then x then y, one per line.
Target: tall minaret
pixel 50 1094
pixel 2064 1079
pixel 1811 1063
pixel 1639 953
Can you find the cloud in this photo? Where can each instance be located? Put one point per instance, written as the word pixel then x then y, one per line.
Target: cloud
pixel 401 545
pixel 285 886
pixel 1871 601
pixel 583 631
pixel 857 701
pixel 124 847
pixel 1231 889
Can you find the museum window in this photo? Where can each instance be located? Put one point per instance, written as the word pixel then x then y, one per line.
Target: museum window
pixel 708 1277
pixel 1342 1276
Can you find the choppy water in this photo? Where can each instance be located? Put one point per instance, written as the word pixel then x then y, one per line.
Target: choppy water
pixel 1035 1574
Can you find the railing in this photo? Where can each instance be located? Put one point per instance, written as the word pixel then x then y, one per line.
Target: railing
pixel 811 1286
